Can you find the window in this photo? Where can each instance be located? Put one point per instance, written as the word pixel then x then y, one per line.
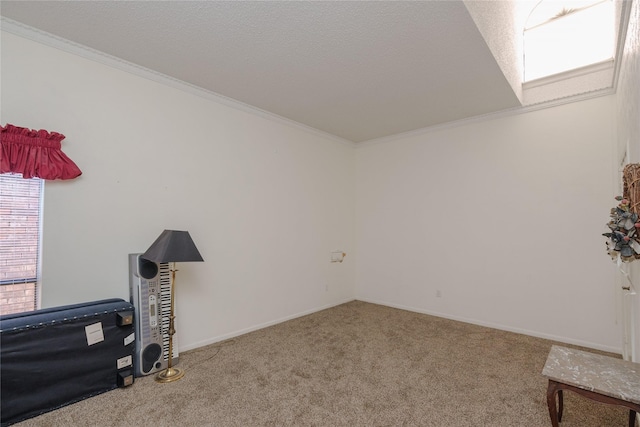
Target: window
pixel 20 232
pixel 563 35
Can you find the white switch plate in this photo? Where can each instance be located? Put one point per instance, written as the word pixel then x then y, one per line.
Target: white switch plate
pixel 337 256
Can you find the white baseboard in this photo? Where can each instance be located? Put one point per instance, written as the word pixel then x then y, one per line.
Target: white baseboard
pixel 536 334
pixel 237 333
pixel 588 344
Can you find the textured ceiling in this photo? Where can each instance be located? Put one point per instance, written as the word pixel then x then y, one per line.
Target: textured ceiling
pixel 358 70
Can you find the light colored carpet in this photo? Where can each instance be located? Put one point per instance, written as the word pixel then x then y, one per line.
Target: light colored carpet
pixel 357 364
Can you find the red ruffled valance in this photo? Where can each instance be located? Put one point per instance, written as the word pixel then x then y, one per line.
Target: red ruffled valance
pixel 34 153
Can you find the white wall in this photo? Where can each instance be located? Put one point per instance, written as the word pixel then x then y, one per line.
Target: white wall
pixel 628 131
pixel 503 216
pixel 265 202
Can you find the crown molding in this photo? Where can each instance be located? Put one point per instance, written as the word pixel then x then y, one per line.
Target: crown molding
pixel 623 26
pixel 48 39
pixel 86 52
pixel 489 116
pixel 586 70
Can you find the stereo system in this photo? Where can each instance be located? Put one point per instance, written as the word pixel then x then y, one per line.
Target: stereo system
pixel 150 294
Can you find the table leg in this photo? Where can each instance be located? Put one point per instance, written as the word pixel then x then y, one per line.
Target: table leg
pixel 552 390
pixel 632 418
pixel 560 405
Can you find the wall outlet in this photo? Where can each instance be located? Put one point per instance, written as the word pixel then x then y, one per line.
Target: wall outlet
pixel 438 293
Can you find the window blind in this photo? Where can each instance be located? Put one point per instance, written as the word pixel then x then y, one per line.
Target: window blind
pixel 20 201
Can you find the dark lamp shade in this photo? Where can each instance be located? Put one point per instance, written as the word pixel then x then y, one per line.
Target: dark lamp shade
pixel 173 246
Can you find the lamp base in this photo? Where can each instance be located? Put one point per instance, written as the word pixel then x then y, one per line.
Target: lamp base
pixel 169 375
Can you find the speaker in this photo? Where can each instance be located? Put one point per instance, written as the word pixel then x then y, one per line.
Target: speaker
pixel 150 294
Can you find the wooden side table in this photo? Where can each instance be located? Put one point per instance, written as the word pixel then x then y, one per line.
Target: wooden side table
pixel 596 377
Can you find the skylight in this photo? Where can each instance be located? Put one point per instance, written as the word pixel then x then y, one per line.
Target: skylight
pixel 562 35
